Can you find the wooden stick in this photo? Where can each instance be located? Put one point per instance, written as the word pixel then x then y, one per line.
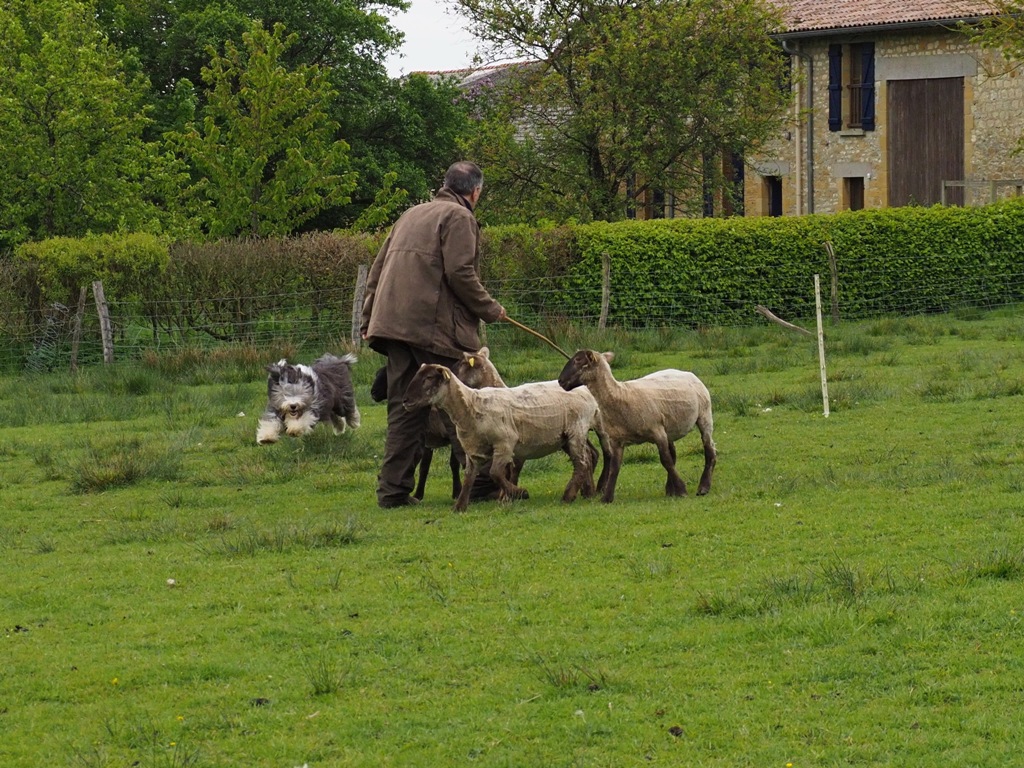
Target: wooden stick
pixel 764 311
pixel 821 344
pixel 539 336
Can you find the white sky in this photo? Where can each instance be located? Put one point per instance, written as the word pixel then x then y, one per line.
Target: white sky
pixel 434 40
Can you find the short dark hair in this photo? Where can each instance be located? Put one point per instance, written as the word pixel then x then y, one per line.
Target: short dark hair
pixel 463 177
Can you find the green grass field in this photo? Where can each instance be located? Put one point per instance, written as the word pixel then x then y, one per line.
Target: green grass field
pixel 849 593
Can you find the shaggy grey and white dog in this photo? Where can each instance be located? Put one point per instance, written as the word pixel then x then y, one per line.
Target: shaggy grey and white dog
pixel 300 396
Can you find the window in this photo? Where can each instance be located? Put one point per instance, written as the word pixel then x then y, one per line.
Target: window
pixel 656 208
pixel 853 193
pixel 851 86
pixel 631 197
pixel 772 195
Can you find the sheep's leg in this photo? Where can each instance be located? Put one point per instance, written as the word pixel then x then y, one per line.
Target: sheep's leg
pixel 674 485
pixel 606 452
pixel 581 452
pixel 502 468
pixel 613 464
pixel 588 484
pixel 467 483
pixel 456 468
pixel 710 458
pixel 424 471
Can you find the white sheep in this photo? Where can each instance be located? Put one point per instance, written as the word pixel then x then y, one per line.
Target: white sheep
pixel 476 370
pixel 659 408
pixel 506 426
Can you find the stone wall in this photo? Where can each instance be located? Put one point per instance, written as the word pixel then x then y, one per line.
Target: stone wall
pixel 993 110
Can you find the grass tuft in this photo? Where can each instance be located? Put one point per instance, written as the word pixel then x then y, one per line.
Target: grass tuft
pixel 119 464
pixel 287 538
pixel 323 672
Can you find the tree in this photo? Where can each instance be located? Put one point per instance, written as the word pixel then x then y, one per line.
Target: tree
pixel 175 39
pixel 624 95
pixel 71 125
pixel 265 156
pixel 381 119
pixel 412 130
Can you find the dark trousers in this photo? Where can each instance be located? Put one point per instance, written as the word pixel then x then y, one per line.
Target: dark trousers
pixel 404 442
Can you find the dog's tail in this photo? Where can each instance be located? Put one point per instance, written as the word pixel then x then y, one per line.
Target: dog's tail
pixel 328 359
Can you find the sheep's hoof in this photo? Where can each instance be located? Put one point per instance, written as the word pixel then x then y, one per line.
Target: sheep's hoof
pixel 702 491
pixel 515 494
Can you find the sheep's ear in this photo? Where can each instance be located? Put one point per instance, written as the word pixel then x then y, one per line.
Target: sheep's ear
pixel 447 374
pixel 484 352
pixel 609 356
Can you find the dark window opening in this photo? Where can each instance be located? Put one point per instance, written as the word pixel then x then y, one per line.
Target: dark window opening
pixel 773 195
pixel 657 208
pixel 854 193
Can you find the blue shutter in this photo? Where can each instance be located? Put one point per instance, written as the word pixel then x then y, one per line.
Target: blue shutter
pixel 835 87
pixel 867 86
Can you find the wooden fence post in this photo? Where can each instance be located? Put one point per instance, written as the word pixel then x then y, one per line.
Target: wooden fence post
pixel 105 329
pixel 606 289
pixel 357 303
pixel 76 336
pixel 821 345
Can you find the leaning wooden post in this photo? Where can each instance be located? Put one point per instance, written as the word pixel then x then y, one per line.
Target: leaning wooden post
pixel 821 344
pixel 606 289
pixel 357 303
pixel 765 312
pixel 76 337
pixel 105 330
pixel 834 269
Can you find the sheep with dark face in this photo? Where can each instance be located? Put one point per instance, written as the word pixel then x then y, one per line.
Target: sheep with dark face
pixel 509 425
pixel 476 370
pixel 659 408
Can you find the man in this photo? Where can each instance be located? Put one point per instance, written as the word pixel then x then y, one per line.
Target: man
pixel 424 301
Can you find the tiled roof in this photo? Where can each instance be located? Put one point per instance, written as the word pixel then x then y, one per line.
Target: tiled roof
pixel 819 15
pixel 467 71
pixel 472 75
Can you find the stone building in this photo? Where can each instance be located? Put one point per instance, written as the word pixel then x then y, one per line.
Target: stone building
pixel 894 105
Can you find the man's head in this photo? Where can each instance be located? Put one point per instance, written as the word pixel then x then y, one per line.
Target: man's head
pixel 466 179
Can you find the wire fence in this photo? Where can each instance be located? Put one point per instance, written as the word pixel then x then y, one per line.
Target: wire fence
pixel 60 335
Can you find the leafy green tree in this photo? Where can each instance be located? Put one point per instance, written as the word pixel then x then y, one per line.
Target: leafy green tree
pixel 623 95
pixel 404 127
pixel 71 126
pixel 173 38
pixel 265 156
pixel 411 130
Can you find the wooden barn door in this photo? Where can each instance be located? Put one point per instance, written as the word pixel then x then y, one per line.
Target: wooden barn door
pixel 926 139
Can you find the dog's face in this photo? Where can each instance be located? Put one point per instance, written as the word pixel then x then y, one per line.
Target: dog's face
pixel 291 392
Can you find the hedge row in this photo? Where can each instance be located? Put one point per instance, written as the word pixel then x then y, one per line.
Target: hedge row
pixel 891 260
pixel 683 271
